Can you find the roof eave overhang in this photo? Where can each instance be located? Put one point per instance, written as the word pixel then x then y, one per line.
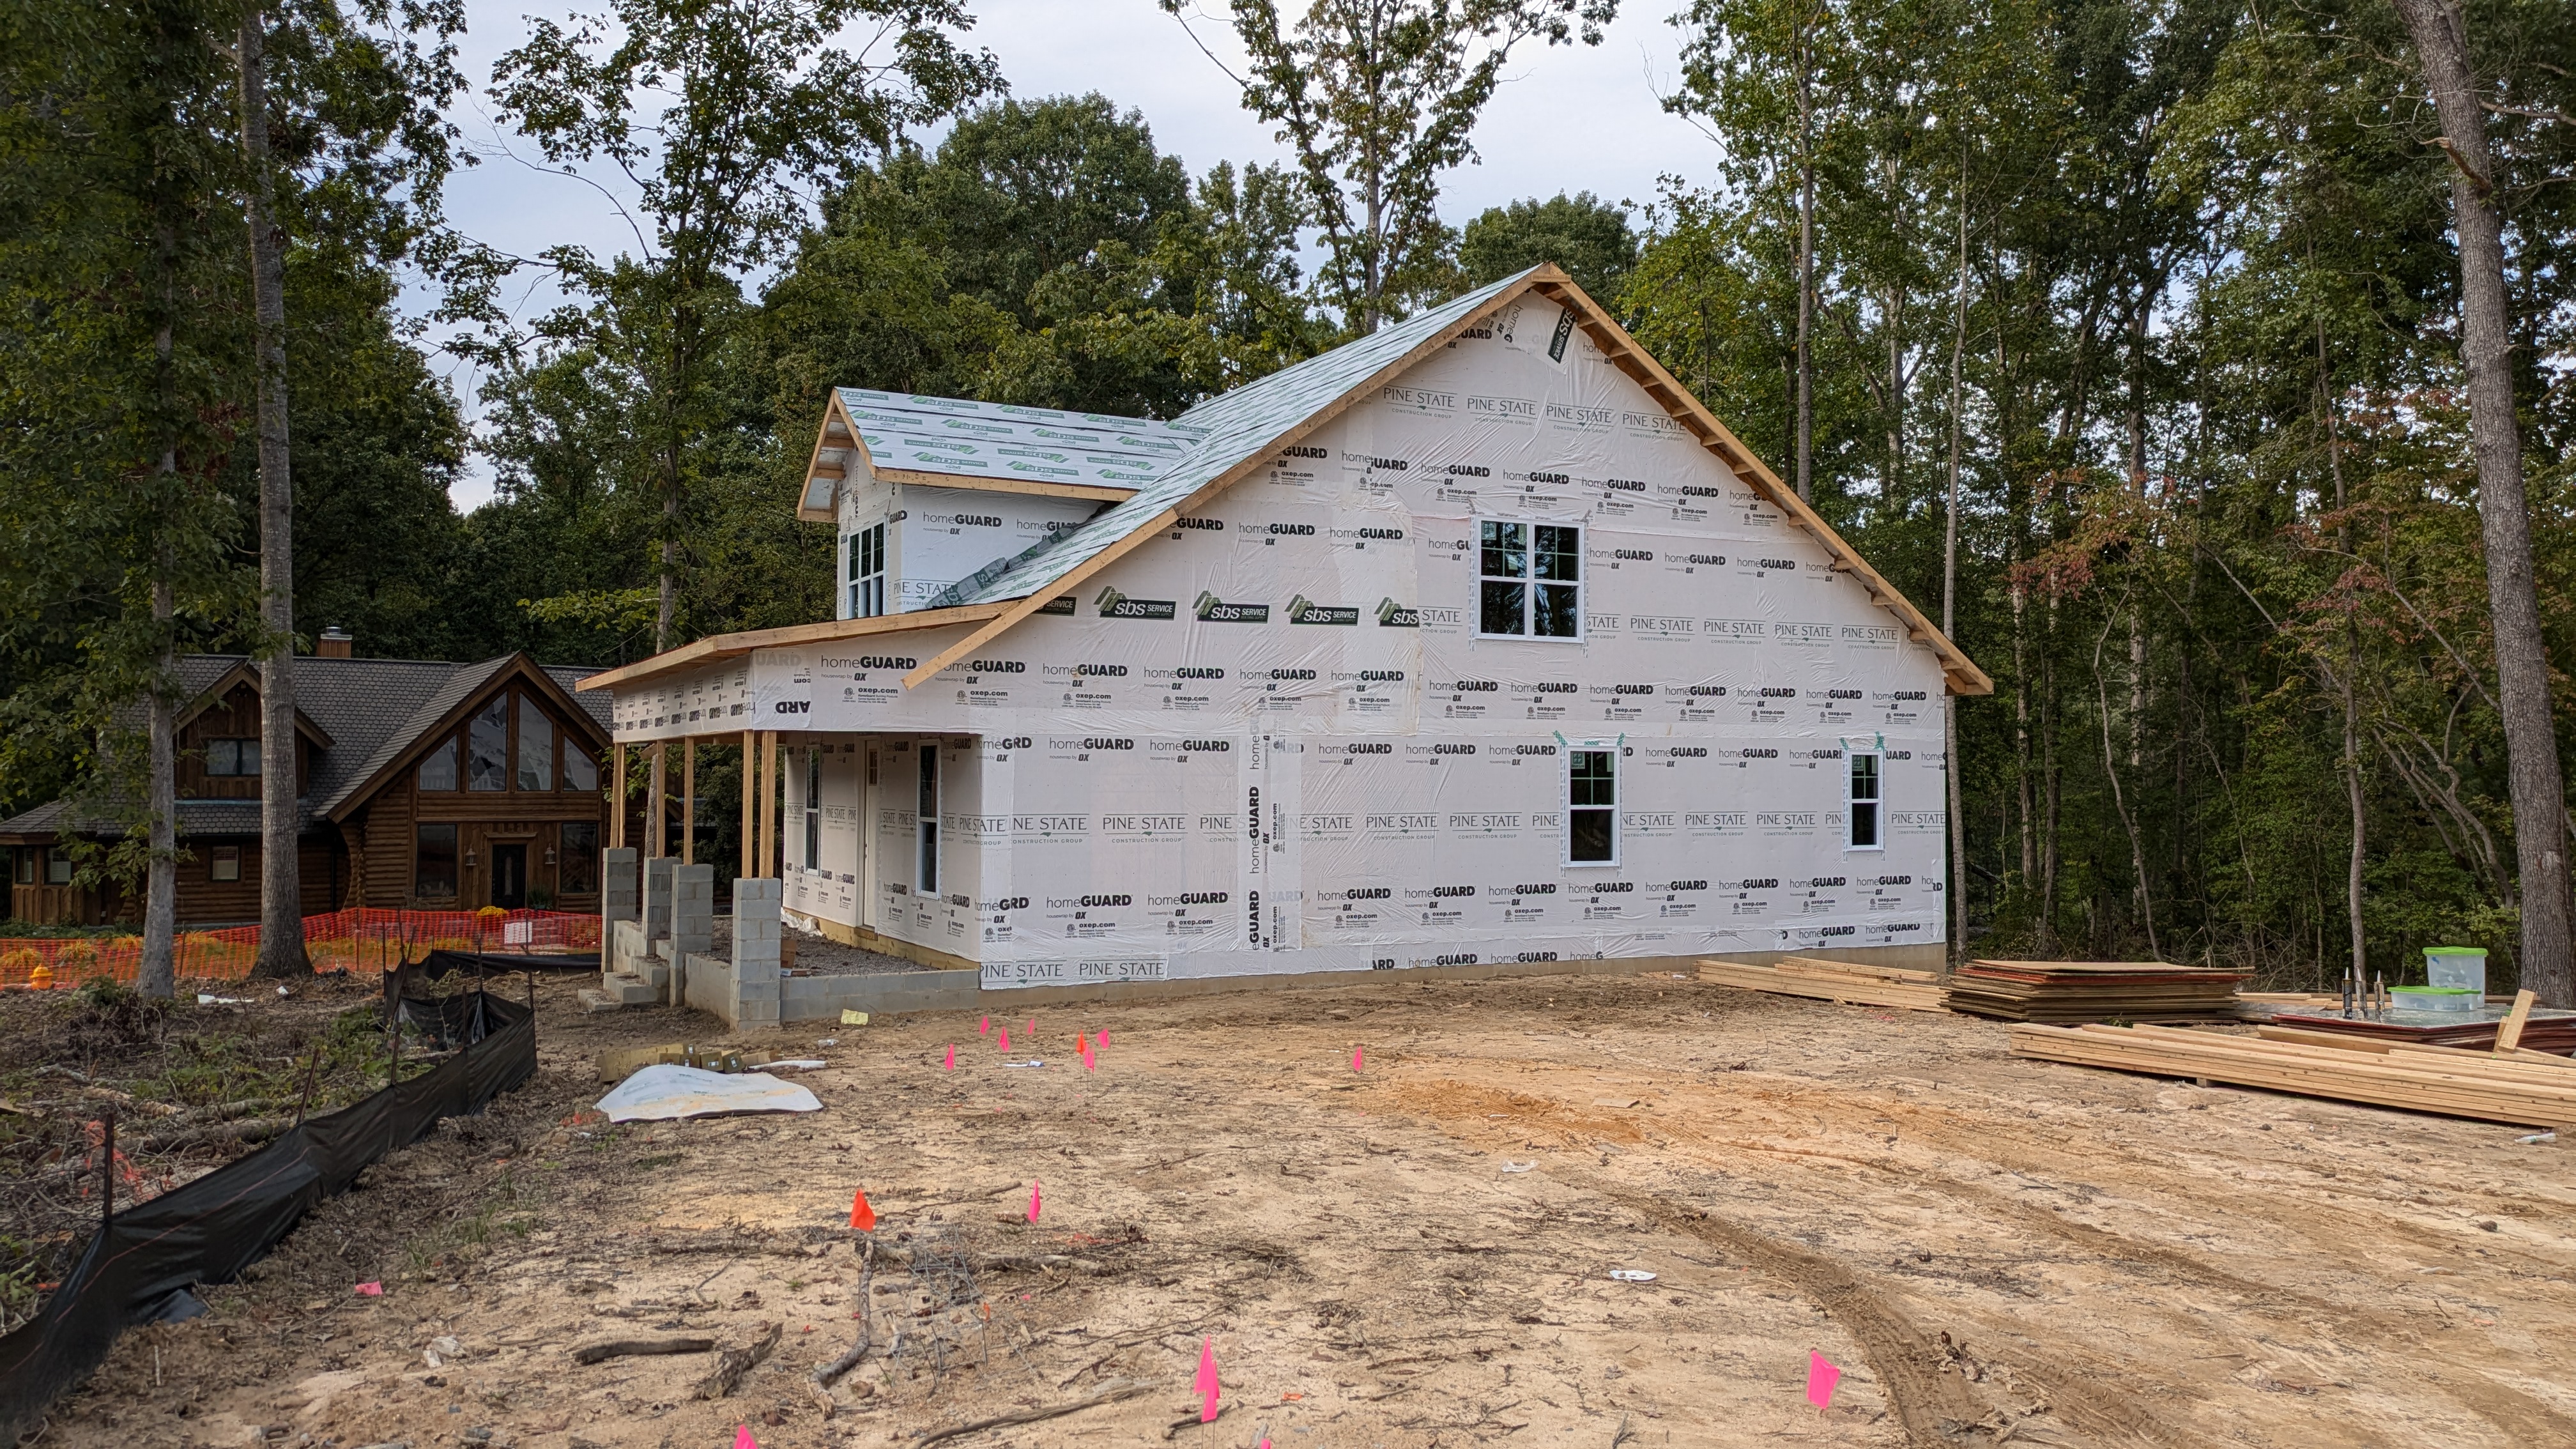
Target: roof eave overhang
pixel 718 647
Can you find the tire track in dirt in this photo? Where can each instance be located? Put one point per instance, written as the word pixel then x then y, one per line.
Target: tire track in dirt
pixel 1928 1399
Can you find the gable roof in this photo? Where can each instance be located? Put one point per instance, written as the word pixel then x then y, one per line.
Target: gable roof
pixel 1239 430
pixel 367 712
pixel 957 443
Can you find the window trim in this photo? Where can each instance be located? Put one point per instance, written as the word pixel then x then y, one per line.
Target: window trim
pixel 1615 750
pixel 865 585
pixel 223 864
pixel 1877 800
pixel 1529 596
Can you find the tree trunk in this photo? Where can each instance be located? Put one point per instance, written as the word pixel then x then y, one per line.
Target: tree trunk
pixel 281 913
pixel 2351 667
pixel 156 975
pixel 1950 590
pixel 2049 783
pixel 1806 269
pixel 2522 661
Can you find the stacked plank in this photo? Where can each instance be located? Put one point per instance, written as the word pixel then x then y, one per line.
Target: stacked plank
pixel 1823 980
pixel 2074 991
pixel 2535 1090
pixel 2547 1031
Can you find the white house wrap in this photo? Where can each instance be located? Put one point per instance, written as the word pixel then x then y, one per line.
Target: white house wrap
pixel 1474 641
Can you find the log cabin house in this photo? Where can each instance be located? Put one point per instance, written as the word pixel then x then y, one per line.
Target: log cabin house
pixel 421 785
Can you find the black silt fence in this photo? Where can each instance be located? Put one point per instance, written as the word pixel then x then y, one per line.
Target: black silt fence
pixel 140 1268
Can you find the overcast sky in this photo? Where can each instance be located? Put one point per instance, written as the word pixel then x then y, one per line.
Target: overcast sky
pixel 1569 119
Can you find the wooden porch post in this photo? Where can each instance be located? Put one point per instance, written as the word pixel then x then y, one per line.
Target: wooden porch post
pixel 689 801
pixel 750 802
pixel 768 802
pixel 659 836
pixel 617 797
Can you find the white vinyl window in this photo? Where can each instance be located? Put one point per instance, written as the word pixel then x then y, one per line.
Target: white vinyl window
pixel 1863 829
pixel 1529 580
pixel 867 571
pixel 1592 805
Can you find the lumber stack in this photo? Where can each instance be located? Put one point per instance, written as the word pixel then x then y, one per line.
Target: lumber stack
pixel 2546 1031
pixel 2532 1091
pixel 1823 980
pixel 2077 991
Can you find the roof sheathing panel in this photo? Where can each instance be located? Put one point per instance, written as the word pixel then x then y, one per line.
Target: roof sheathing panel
pixel 967 439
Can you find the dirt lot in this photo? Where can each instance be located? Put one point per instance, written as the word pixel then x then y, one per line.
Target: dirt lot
pixel 1993 1250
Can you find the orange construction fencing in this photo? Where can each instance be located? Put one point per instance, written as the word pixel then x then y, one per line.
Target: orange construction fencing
pixel 355 940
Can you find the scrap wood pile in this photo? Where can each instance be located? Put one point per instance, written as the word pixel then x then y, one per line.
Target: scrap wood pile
pixel 2525 1088
pixel 2070 991
pixel 1832 981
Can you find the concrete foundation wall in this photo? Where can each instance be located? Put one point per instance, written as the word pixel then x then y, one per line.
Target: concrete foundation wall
pixel 824 998
pixel 708 983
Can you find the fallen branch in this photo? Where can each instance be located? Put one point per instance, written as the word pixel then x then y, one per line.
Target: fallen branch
pixel 1108 1394
pixel 733 1363
pixel 824 1375
pixel 257 1129
pixel 639 1348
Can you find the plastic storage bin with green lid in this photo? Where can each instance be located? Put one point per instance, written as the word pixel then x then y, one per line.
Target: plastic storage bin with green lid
pixel 2435 998
pixel 2464 967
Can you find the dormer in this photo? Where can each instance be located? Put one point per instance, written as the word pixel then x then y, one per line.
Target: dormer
pixel 926 492
pixel 218 738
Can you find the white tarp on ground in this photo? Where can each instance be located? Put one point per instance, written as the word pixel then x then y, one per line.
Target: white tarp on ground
pixel 661 1092
pixel 1274 740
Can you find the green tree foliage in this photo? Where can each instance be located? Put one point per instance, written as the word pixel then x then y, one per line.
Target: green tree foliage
pixel 1376 98
pixel 721 117
pixel 1585 235
pixel 2216 467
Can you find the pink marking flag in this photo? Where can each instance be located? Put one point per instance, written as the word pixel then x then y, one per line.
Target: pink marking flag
pixel 1006 1041
pixel 950 1064
pixel 1033 1200
pixel 1104 1038
pixel 1033 1028
pixel 1355 1058
pixel 742 1438
pixel 1821 1378
pixel 983 1026
pixel 371 1290
pixel 1206 1383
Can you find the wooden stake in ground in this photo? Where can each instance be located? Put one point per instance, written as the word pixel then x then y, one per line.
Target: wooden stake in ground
pixel 2509 1035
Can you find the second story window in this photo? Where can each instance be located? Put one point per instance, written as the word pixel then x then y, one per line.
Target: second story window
pixel 232 757
pixel 868 572
pixel 438 767
pixel 487 746
pixel 1529 580
pixel 536 747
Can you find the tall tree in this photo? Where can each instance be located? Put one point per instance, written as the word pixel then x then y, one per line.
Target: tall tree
pixel 2440 33
pixel 281 891
pixel 1590 238
pixel 1377 98
pixel 761 107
